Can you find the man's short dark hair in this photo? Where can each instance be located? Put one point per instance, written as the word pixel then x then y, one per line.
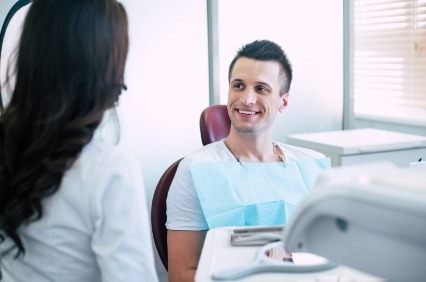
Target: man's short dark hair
pixel 265 50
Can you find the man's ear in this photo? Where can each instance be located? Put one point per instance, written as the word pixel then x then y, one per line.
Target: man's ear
pixel 283 102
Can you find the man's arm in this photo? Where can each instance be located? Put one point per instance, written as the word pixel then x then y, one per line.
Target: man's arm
pixel 184 250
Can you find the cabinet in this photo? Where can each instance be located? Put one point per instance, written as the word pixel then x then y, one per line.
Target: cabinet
pixel 365 145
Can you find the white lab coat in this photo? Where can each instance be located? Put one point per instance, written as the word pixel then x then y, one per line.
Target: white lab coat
pixel 94 228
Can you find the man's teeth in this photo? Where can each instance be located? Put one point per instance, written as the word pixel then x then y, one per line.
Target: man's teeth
pixel 247 112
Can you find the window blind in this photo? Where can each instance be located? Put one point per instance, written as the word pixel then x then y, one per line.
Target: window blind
pixel 389 60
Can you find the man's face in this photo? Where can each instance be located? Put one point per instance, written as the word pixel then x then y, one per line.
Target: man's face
pixel 253 97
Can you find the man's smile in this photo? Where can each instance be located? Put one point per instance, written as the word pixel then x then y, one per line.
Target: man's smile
pixel 247 112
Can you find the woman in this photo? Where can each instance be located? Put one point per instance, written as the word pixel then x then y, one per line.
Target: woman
pixel 72 207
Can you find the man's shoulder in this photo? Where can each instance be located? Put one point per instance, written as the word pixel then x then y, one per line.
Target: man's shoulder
pixel 297 153
pixel 215 151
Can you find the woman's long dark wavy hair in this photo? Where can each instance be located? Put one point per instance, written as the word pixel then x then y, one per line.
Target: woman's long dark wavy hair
pixel 69 71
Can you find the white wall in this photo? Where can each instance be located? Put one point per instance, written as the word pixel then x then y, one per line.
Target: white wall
pixel 167 82
pixel 167 79
pixel 311 33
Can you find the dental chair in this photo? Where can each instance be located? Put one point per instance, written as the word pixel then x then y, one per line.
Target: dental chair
pixel 158 212
pixel 214 124
pixel 370 217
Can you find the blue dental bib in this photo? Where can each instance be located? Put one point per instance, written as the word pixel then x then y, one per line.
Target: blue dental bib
pixel 234 194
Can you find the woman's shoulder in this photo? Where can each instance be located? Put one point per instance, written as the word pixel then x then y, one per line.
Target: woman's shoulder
pixel 100 160
pixel 103 152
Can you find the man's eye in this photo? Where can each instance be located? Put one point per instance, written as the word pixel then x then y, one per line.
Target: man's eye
pixel 237 86
pixel 263 90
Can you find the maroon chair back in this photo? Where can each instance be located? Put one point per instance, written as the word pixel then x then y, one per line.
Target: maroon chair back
pixel 158 211
pixel 214 124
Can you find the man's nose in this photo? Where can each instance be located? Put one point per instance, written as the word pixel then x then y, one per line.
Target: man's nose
pixel 248 97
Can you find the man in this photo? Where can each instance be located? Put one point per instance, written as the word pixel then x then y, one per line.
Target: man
pixel 247 178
